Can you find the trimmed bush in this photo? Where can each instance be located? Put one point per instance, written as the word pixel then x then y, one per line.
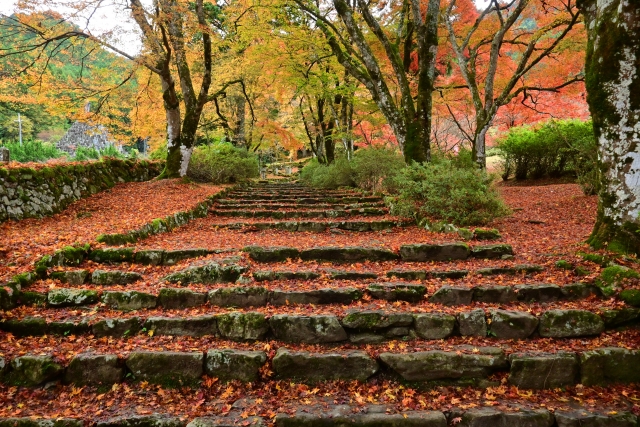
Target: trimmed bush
pixel 446 190
pixel 222 163
pixel 552 149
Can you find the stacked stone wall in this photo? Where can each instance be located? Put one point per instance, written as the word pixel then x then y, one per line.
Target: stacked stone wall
pixel 35 193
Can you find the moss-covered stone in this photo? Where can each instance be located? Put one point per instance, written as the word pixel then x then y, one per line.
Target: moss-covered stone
pixel 198 326
pixel 451 295
pixel 168 368
pixel 570 323
pixel 491 251
pixel 313 367
pixel 175 256
pixel 610 365
pixel 564 265
pixel 434 326
pixel 68 327
pixel 486 234
pixel 631 297
pixel 112 255
pixel 32 370
pixel 149 257
pixel 32 298
pixel 28 326
pixel 207 274
pixel 245 296
pixel 128 301
pixel 397 291
pixel 262 276
pixel 347 254
pixel 317 296
pixel 614 277
pixel 307 329
pixel 72 277
pixel 229 365
pixel 271 254
pixel 94 369
pixel 376 320
pixel 472 323
pixel 440 252
pixel 174 298
pixel 116 327
pixel 543 370
pixel 114 277
pixel 510 324
pixel 63 297
pixel 242 326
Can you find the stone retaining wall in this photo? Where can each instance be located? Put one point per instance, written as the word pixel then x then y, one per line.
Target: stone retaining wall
pixel 35 193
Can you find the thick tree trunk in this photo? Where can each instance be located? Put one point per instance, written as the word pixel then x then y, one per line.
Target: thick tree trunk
pixel 478 152
pixel 613 94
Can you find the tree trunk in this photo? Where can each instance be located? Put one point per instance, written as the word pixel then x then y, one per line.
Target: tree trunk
pixel 478 154
pixel 613 94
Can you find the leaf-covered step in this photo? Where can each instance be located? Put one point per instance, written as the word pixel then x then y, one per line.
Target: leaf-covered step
pixel 277 206
pixel 468 364
pixel 357 326
pixel 315 226
pixel 311 200
pixel 325 213
pixel 408 253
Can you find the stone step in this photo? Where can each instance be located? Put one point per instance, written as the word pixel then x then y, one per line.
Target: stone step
pixel 407 253
pixel 357 326
pixel 329 414
pixel 277 206
pixel 258 296
pixel 460 364
pixel 302 200
pixel 314 226
pixel 293 203
pixel 328 213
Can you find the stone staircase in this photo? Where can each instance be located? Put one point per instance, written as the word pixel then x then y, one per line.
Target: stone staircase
pixel 313 336
pixel 294 207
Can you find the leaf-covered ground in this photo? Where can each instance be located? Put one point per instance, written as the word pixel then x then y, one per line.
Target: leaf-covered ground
pixel 548 223
pixel 124 207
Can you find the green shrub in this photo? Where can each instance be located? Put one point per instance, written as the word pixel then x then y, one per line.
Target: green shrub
pixel 552 149
pixel 221 164
pixel 337 174
pixel 85 153
pixel 159 153
pixel 32 151
pixel 375 168
pixel 443 191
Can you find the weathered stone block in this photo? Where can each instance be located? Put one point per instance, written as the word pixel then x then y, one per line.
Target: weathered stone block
pixel 279 254
pixel 128 301
pixel 175 256
pixel 472 323
pixel 330 418
pixel 112 255
pixel 94 369
pixel 543 370
pixel 397 291
pixel 116 327
pixel 149 257
pixel 539 293
pixel 449 295
pixel 489 417
pixel 32 370
pixel 242 326
pixel 494 294
pixel 142 421
pixel 491 251
pixel 570 323
pixel 610 365
pixel 207 274
pixel 73 277
pixel 173 298
pixel 307 329
pixel 434 326
pixel 341 365
pixel 442 252
pixel 509 324
pixel 114 277
pixel 439 365
pixel 376 320
pixel 182 326
pixel 347 254
pixel 239 297
pixel 168 368
pixel 62 297
pixel 228 365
